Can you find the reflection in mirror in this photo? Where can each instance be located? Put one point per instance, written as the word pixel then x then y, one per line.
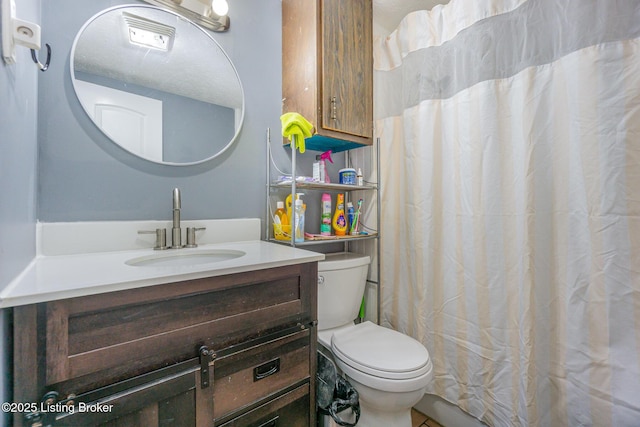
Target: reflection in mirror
pixel 157 84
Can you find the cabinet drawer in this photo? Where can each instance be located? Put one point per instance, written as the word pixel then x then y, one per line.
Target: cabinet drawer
pixel 245 378
pixel 289 410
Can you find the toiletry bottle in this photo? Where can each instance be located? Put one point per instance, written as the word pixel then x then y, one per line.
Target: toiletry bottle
pixel 282 214
pixel 299 221
pixel 339 220
pixel 323 166
pixel 350 214
pixel 318 169
pixel 288 203
pixel 359 178
pixel 325 219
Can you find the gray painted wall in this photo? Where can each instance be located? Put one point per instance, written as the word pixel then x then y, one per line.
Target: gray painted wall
pixel 18 157
pixel 83 176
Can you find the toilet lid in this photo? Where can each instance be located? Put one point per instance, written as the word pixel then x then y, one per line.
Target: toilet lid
pixel 380 351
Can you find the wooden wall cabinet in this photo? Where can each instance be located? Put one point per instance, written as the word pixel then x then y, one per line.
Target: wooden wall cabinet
pixel 327 67
pixel 232 350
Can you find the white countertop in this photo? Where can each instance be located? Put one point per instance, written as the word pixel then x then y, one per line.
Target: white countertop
pixel 50 278
pixel 87 258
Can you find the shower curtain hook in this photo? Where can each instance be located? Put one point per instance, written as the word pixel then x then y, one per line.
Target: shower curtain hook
pixel 46 63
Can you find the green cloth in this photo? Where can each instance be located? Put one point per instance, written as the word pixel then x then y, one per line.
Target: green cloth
pixel 296 128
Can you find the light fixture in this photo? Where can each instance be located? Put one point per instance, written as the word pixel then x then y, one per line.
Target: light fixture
pixel 211 14
pixel 220 7
pixel 147 33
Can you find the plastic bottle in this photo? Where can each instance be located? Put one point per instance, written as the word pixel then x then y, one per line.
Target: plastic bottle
pixel 288 203
pixel 318 169
pixel 282 214
pixel 350 214
pixel 324 176
pixel 359 178
pixel 325 219
pixel 298 221
pixel 339 221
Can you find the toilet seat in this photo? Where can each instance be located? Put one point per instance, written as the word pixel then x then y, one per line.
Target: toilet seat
pixel 381 352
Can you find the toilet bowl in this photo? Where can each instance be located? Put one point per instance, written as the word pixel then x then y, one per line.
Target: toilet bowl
pixel 389 370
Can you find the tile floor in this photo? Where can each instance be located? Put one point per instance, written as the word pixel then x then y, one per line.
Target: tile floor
pixel 418 419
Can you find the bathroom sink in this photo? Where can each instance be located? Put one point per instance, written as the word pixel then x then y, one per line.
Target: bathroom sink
pixel 185 258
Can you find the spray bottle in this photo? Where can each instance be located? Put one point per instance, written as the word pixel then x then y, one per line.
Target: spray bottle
pixel 324 175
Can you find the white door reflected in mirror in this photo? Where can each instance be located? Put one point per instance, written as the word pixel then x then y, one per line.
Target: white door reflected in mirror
pixel 132 120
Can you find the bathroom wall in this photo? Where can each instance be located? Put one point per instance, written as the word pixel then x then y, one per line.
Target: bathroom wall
pixel 84 176
pixel 18 170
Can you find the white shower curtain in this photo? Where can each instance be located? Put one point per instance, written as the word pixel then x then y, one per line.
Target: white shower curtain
pixel 510 162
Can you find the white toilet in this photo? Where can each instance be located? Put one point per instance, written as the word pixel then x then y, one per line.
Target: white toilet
pixel 389 370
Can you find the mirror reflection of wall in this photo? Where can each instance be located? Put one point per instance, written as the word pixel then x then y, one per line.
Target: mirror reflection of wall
pixel 157 84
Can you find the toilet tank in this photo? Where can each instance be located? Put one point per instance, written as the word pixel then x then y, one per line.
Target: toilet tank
pixel 341 281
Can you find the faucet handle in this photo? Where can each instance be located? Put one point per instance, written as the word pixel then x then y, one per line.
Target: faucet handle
pixel 191 236
pixel 161 238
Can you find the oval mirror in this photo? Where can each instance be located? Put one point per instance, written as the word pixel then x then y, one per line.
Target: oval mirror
pixel 157 84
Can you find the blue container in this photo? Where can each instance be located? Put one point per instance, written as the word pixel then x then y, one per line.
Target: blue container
pixel 347 176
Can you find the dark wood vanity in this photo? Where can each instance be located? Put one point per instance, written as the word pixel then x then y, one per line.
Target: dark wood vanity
pixel 232 350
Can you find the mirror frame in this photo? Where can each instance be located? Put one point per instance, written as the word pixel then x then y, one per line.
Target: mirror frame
pixel 72 75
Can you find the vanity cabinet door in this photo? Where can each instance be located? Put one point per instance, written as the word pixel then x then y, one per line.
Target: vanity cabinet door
pixel 176 399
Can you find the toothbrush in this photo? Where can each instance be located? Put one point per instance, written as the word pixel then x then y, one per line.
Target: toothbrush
pixel 356 220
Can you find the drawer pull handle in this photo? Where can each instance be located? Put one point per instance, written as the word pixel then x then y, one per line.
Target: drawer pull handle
pixel 271 423
pixel 265 370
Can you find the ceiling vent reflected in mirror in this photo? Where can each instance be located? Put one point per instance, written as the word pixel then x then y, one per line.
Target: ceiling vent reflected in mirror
pixel 211 14
pixel 147 33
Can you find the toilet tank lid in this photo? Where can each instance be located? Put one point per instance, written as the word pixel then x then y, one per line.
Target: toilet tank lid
pixel 342 260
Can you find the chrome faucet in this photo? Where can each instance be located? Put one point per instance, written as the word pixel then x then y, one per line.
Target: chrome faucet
pixel 176 231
